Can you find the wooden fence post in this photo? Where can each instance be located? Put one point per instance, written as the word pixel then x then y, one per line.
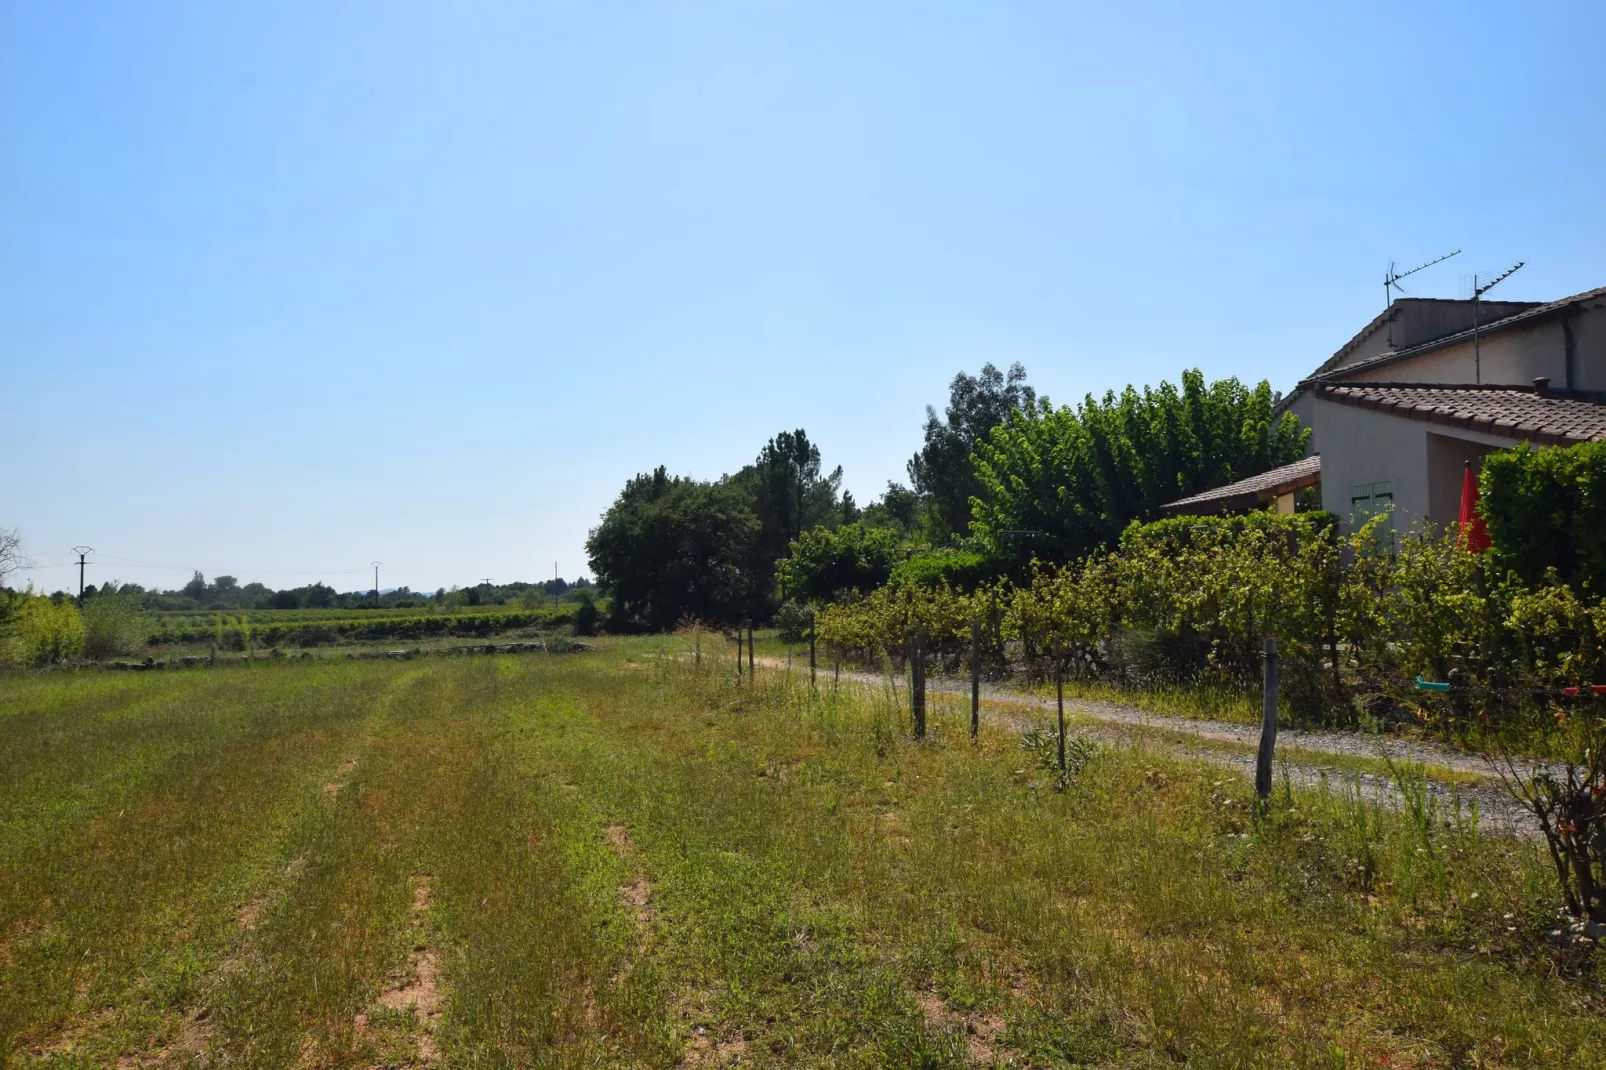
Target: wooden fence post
pixel 750 670
pixel 1059 698
pixel 975 678
pixel 917 681
pixel 738 653
pixel 811 652
pixel 697 646
pixel 1268 719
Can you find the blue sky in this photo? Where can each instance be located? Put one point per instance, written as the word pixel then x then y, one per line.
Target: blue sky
pixel 288 287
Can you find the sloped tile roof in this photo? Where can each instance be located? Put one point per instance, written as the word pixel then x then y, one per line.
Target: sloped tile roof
pixel 1510 412
pixel 1248 493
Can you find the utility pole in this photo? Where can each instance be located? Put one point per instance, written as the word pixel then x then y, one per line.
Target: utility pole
pixel 376 565
pixel 81 551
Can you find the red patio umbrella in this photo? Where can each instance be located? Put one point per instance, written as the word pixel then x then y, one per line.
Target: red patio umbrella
pixel 1474 536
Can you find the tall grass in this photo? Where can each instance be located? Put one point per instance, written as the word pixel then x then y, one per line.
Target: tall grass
pixel 631 862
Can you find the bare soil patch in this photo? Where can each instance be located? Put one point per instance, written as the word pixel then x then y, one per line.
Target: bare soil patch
pixel 345 771
pixel 704 1050
pixel 417 988
pixel 981 1030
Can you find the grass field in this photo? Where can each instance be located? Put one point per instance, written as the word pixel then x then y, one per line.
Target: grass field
pixel 610 859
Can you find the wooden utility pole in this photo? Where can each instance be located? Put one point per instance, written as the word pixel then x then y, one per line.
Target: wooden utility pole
pixel 1268 719
pixel 917 681
pixel 975 678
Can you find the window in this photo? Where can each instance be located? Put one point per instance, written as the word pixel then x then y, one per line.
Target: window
pixel 1368 500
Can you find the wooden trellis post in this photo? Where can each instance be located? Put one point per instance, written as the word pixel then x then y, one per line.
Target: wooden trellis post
pixel 1268 719
pixel 811 652
pixel 975 678
pixel 917 681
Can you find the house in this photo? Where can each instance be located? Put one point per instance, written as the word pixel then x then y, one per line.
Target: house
pixel 1425 388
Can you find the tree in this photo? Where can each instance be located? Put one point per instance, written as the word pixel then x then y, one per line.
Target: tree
pixel 898 509
pixel 672 547
pixel 788 495
pixel 11 556
pixel 226 589
pixel 1078 477
pixel 942 472
pixel 854 557
pixel 196 588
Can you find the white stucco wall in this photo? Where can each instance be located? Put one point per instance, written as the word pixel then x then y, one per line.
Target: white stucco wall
pixel 1589 348
pixel 1366 446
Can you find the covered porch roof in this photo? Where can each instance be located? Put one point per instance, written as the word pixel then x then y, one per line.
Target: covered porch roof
pixel 1250 493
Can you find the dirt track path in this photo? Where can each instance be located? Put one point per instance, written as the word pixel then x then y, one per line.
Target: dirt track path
pixel 1218 743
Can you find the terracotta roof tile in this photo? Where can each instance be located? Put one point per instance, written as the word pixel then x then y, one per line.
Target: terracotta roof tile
pixel 1256 490
pixel 1510 412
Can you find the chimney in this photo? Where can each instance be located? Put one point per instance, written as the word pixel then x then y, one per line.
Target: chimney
pixel 1542 385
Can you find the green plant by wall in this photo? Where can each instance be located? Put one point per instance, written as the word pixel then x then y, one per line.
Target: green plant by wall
pixel 1546 510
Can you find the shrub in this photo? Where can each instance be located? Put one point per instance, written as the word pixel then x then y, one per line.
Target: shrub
pixel 113 623
pixel 43 632
pixel 792 619
pixel 1546 509
pixel 825 562
pixel 587 617
pixel 962 570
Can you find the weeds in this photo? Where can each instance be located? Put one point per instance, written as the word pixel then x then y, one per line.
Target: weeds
pixel 807 886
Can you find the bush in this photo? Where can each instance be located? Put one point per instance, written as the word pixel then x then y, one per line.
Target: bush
pixel 960 569
pixel 824 562
pixel 793 619
pixel 587 617
pixel 113 623
pixel 1546 509
pixel 43 632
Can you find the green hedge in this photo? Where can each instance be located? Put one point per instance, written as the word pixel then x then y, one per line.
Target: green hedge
pixel 1546 509
pixel 961 570
pixel 1185 532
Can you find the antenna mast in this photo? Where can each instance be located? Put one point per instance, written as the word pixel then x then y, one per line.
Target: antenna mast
pixel 1477 292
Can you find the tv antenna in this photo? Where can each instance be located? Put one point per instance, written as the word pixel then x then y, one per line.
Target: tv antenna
pixel 1392 277
pixel 1478 290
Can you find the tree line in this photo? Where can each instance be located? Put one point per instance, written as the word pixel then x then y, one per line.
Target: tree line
pixel 1002 478
pixel 228 593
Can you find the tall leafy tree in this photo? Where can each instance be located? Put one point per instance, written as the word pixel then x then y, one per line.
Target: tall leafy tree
pixel 789 494
pixel 670 546
pixel 1078 477
pixel 942 472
